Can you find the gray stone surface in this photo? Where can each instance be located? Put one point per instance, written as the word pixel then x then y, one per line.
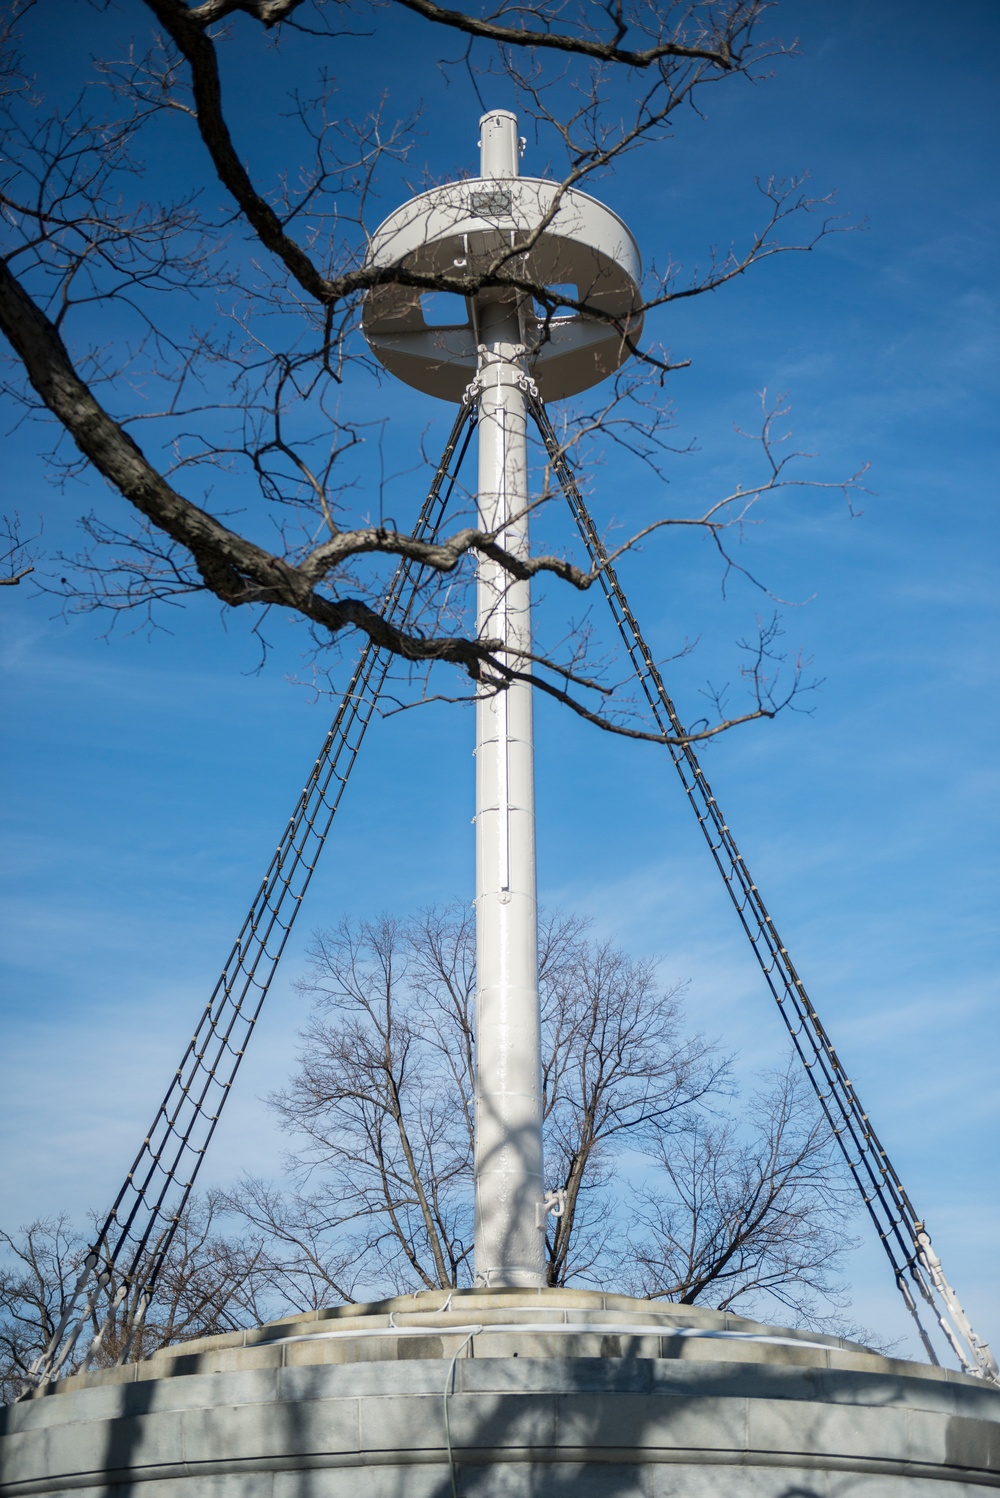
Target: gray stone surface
pixel 586 1413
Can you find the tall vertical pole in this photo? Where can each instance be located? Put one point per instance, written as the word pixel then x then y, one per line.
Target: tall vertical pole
pixel 510 1243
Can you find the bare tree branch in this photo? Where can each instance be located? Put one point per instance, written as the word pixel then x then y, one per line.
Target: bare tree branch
pixel 671 1190
pixel 733 1218
pixel 16 557
pixel 209 1283
pixel 380 1112
pixel 247 399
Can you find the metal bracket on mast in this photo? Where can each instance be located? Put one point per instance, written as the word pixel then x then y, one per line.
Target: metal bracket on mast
pixel 136 1236
pixel 903 1235
pixel 553 1204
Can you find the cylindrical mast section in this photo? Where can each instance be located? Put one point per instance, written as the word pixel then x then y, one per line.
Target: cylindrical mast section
pixel 499 147
pixel 510 1240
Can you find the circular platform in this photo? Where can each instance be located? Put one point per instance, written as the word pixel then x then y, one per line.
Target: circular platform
pixel 542 233
pixel 509 1392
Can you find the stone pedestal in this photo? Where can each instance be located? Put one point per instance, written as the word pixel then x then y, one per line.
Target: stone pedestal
pixel 524 1394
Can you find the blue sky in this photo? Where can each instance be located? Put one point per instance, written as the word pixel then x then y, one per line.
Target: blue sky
pixel 147 779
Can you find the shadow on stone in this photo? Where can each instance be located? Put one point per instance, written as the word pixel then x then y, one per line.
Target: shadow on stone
pixel 558 1394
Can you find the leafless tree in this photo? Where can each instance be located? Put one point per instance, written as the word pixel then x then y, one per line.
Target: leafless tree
pixel 618 1072
pixel 745 1217
pixel 667 1193
pixel 209 1283
pixel 671 1193
pixel 383 1104
pixel 201 353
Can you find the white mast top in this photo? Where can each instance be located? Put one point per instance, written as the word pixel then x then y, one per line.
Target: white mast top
pixel 499 151
pixel 461 226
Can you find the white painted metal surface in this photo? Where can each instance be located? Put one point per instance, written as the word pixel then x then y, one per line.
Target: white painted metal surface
pixel 570 241
pixel 510 1245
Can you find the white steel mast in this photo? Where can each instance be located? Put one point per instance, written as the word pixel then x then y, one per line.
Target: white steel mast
pixel 501 355
pixel 510 1213
pixel 494 229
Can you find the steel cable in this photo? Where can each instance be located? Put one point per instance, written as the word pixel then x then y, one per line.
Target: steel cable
pixel 139 1229
pixel 902 1234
